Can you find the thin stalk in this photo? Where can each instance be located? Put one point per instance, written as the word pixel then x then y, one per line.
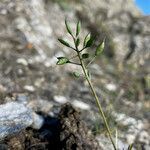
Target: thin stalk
pixel 90 61
pixel 72 48
pixel 74 63
pixel 82 49
pixel 97 100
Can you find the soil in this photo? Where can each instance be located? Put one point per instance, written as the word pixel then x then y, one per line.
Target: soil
pixel 63 133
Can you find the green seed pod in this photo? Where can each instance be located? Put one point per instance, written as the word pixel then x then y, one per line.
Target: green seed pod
pixel 88 41
pixel 100 49
pixel 62 60
pixel 76 74
pixel 78 28
pixel 68 28
pixel 85 55
pixel 64 42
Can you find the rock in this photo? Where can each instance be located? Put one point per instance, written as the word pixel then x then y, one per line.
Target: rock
pixel 15 117
pixel 111 87
pixel 2 89
pixel 60 99
pixel 130 138
pixel 143 137
pixel 37 121
pixel 135 131
pixel 22 61
pixel 106 144
pixel 127 31
pixel 42 29
pixel 22 98
pixel 40 105
pixel 29 88
pixel 81 105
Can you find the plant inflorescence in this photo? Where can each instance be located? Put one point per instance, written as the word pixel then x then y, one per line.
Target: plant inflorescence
pixel 82 57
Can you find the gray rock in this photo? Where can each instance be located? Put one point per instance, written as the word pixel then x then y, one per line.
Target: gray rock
pixel 37 121
pixel 15 117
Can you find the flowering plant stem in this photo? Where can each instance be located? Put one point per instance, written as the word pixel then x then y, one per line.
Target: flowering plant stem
pixel 101 112
pixel 88 41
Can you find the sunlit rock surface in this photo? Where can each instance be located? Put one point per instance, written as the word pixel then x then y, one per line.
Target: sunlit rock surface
pixel 15 117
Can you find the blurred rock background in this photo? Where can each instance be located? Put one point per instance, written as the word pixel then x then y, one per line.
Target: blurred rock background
pixel 29 30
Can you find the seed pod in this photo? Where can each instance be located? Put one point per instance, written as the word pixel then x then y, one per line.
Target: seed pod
pixel 85 55
pixel 62 60
pixel 76 74
pixel 100 49
pixel 88 41
pixel 78 28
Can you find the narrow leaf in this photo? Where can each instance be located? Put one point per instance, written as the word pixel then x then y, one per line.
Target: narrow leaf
pixel 64 42
pixel 78 28
pixel 68 28
pixel 100 49
pixel 85 55
pixel 62 60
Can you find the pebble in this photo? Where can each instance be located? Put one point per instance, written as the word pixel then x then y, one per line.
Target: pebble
pixel 143 137
pixel 60 99
pixel 40 105
pixel 81 105
pixel 22 98
pixel 2 89
pixel 111 87
pixel 22 61
pixel 130 138
pixel 37 121
pixel 29 88
pixel 135 131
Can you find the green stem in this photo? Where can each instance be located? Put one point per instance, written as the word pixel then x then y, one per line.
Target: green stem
pixel 82 49
pixel 72 48
pixel 90 61
pixel 97 100
pixel 74 63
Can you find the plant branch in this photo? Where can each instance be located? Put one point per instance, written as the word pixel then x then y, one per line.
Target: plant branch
pixel 73 48
pixel 82 49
